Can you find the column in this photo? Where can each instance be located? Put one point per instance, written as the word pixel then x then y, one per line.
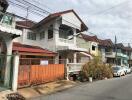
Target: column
pixel 121 61
pixel 75 33
pixel 67 69
pixel 56 32
pixel 8 62
pixel 15 72
pixel 57 59
pixel 75 57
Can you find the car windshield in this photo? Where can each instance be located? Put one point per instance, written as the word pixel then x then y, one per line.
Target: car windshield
pixel 116 68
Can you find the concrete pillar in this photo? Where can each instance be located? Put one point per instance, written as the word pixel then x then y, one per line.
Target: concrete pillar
pixel 56 32
pixel 57 59
pixel 75 37
pixel 8 62
pixel 67 69
pixel 121 62
pixel 75 57
pixel 15 72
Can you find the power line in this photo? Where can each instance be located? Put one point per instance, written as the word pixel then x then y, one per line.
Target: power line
pixel 28 3
pixel 113 7
pixel 39 13
pixel 42 5
pixel 25 8
pixel 66 20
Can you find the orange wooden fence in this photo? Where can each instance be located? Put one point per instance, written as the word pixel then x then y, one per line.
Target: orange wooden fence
pixel 38 74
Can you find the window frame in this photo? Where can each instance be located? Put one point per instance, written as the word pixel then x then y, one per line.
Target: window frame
pixel 50 32
pixel 31 36
pixel 94 48
pixel 42 35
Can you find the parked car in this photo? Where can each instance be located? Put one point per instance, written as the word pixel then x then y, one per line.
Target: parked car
pixel 131 69
pixel 128 70
pixel 125 69
pixel 118 71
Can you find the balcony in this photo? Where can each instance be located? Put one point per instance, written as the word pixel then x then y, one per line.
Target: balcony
pixel 122 55
pixel 66 41
pixel 110 54
pixel 125 56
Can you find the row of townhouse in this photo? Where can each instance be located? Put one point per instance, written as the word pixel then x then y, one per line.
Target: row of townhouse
pixel 53 40
pixel 57 39
pixel 105 49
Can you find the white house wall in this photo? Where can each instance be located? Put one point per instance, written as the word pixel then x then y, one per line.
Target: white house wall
pixel 71 19
pixel 52 44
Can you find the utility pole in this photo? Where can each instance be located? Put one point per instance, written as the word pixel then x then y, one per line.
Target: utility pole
pixel 27 15
pixel 129 55
pixel 115 50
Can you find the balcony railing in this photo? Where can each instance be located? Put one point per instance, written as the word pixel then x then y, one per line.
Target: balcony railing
pixel 113 54
pixel 110 54
pixel 66 41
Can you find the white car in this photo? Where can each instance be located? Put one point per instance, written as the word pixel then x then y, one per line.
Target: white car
pixel 128 69
pixel 118 71
pixel 125 69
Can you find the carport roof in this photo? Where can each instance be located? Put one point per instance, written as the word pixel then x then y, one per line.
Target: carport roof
pixel 28 49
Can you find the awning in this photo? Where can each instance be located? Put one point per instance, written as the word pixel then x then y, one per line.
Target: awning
pixel 60 48
pixel 86 54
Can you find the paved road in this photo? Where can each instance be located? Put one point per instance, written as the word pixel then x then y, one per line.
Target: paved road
pixel 113 89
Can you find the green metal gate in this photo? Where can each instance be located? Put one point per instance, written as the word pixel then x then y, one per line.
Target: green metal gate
pixel 6 72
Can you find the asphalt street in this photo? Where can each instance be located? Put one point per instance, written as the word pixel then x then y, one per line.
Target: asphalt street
pixel 112 89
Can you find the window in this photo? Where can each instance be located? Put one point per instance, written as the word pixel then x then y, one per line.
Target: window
pixel 7 19
pixel 93 48
pixel 50 32
pixel 42 35
pixel 65 32
pixel 31 36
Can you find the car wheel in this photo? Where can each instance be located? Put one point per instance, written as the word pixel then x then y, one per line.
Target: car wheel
pixel 120 75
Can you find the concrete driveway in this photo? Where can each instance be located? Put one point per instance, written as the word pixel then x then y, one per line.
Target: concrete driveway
pixel 113 89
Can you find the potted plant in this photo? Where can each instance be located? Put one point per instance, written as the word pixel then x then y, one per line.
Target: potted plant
pixel 90 76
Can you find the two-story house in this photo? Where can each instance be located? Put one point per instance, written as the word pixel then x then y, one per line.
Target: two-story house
pixel 122 57
pixel 88 42
pixel 106 49
pixel 129 54
pixel 113 54
pixel 58 33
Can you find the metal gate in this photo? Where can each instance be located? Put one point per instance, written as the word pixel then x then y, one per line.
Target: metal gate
pixel 6 71
pixel 38 74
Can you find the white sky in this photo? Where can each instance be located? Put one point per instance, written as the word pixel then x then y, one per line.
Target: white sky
pixel 101 21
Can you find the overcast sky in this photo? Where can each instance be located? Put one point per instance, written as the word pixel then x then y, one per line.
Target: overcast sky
pixel 101 20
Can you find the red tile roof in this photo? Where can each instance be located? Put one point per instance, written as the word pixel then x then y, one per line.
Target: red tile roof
pixel 89 38
pixel 25 24
pixel 106 43
pixel 30 49
pixel 120 45
pixel 128 48
pixel 58 14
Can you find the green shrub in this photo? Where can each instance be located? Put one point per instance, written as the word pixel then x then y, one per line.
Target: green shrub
pixel 96 69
